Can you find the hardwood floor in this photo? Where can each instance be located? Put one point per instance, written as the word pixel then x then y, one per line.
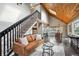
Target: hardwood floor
pixel 69 51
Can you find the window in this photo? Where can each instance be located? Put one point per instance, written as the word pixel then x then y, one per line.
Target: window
pixel 76 28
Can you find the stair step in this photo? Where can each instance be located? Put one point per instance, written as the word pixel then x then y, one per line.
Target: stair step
pixel 27 24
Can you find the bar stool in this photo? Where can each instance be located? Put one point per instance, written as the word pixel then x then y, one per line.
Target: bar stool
pixel 47 49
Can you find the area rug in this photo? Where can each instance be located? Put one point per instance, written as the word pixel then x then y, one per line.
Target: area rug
pixel 57 48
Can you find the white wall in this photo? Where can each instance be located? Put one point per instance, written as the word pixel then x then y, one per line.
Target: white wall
pixel 44 19
pixel 11 12
pixel 36 7
pixel 44 16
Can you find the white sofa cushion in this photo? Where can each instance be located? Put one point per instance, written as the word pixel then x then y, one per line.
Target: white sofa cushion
pixel 38 36
pixel 24 40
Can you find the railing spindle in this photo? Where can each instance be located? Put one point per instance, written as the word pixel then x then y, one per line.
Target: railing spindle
pixel 0 47
pixel 13 36
pixel 19 31
pixel 10 39
pixel 4 45
pixel 15 33
pixel 7 43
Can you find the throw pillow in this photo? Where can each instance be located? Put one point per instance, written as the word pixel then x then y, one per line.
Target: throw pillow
pixel 31 38
pixel 24 41
pixel 38 36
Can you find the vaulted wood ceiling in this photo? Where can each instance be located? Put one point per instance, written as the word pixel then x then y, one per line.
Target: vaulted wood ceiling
pixel 65 12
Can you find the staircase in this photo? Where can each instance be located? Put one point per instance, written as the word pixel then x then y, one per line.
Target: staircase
pixel 27 24
pixel 10 34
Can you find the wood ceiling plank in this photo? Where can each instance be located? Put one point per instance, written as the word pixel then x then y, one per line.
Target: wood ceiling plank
pixel 64 11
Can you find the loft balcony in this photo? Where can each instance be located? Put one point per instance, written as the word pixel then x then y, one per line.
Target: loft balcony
pixel 15 31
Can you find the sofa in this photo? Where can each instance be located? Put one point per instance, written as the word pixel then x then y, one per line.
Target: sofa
pixel 25 50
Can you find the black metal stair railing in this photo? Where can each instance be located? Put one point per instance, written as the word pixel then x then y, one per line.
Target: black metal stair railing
pixel 9 35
